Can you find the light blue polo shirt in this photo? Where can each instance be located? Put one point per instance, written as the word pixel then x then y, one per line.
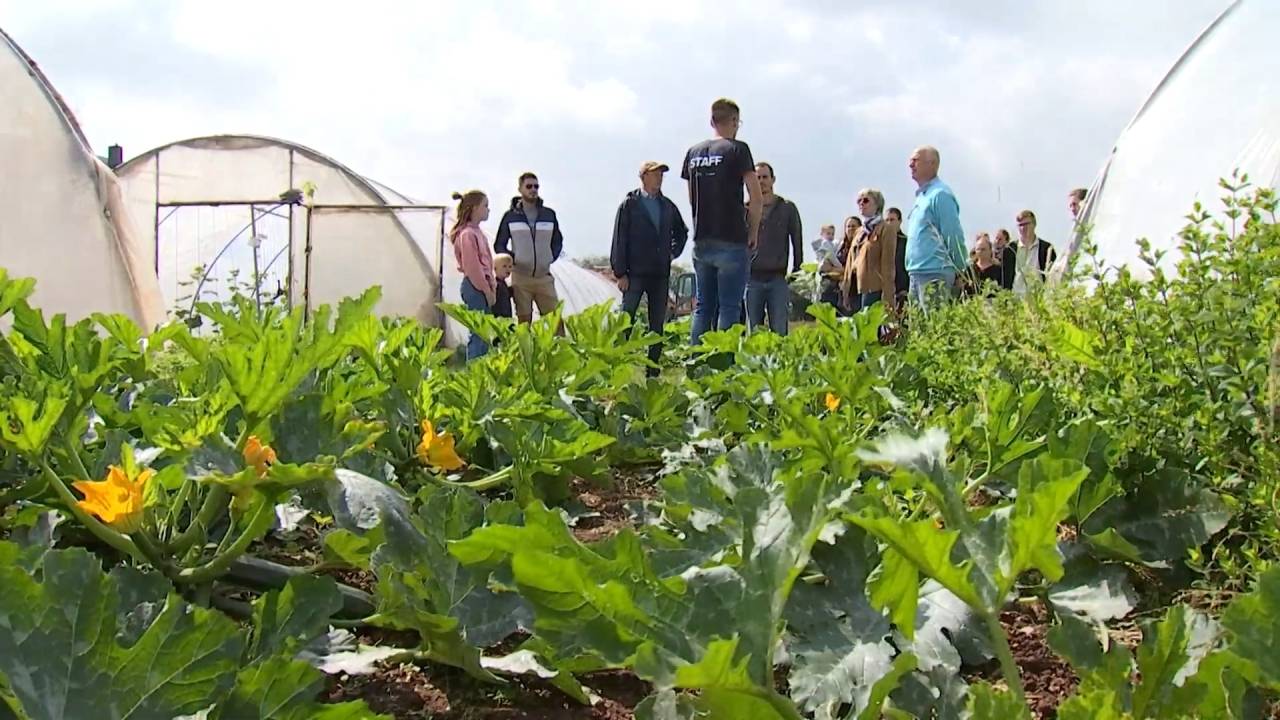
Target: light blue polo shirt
pixel 935 240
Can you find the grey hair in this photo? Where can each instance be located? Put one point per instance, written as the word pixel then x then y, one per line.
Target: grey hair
pixel 876 196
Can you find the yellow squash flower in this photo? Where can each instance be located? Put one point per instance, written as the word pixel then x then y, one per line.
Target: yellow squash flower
pixel 258 456
pixel 437 450
pixel 117 500
pixel 832 402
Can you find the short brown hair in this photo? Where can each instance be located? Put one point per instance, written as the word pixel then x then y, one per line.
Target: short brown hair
pixel 724 110
pixel 526 176
pixel 1026 215
pixel 1079 194
pixel 772 174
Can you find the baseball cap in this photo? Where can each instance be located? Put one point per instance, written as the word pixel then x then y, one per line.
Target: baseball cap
pixel 653 165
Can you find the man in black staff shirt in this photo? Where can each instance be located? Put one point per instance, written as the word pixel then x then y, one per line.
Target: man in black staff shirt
pixel 717 171
pixel 648 233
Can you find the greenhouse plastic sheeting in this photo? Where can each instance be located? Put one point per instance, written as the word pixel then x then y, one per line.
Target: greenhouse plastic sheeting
pixel 63 219
pixel 1215 112
pixel 351 249
pixel 402 250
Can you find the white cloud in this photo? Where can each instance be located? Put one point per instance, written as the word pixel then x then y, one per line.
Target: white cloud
pixel 1024 99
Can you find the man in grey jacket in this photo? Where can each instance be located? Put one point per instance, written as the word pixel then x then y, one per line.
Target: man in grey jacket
pixel 530 232
pixel 780 231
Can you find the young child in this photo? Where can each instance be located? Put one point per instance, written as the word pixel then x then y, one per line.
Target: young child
pixel 502 266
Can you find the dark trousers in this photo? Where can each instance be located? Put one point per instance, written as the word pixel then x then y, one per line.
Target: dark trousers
pixel 655 287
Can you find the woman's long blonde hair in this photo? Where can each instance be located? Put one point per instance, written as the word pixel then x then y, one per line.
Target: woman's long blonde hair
pixel 467 204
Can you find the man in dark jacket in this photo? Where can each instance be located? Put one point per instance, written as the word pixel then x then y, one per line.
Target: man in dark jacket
pixel 530 233
pixel 780 232
pixel 648 234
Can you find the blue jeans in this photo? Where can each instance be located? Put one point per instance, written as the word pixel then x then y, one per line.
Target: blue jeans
pixel 871 298
pixel 474 300
pixel 721 270
pixel 932 289
pixel 772 297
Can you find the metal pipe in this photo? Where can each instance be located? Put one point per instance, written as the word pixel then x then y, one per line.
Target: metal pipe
pixel 306 264
pixel 253 243
pixel 374 208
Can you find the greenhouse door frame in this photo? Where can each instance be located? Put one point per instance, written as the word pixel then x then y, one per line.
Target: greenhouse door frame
pixel 276 204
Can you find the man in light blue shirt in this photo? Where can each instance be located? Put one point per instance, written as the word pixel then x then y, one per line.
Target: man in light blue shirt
pixel 935 240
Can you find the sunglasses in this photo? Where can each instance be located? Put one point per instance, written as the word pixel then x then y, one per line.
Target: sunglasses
pixel 531 187
pixel 863 200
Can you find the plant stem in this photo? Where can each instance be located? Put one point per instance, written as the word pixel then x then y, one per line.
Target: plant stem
pixel 75 457
pixel 1008 667
pixel 487 482
pixel 781 705
pixel 221 562
pixel 214 504
pixel 101 531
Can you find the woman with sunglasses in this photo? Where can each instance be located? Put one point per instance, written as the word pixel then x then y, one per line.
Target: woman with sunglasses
pixel 875 252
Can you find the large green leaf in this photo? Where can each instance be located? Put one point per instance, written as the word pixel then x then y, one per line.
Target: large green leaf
pixel 1074 343
pixel 948 633
pixel 839 643
pixel 1045 488
pixel 279 688
pixel 27 423
pixel 1164 517
pixel 929 549
pixel 1254 622
pixel 360 503
pixel 669 705
pixel 60 656
pixel 286 620
pixel 608 602
pixel 987 703
pixel 266 359
pixel 1091 589
pixel 14 290
pixel 1093 705
pixel 455 609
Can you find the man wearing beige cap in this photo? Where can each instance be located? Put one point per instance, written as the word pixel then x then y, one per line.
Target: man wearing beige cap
pixel 648 234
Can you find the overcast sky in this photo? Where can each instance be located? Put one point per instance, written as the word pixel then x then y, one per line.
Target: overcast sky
pixel 1024 99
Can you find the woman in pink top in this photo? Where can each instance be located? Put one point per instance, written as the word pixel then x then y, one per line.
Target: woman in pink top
pixel 475 260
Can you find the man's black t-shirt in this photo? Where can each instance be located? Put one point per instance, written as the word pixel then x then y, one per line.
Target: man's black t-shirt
pixel 717 167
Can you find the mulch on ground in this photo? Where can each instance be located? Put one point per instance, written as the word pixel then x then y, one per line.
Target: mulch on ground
pixel 1046 678
pixel 413 692
pixel 609 512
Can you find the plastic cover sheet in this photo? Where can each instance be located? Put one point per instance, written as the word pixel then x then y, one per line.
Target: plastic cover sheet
pixel 1216 111
pixel 62 220
pixel 352 249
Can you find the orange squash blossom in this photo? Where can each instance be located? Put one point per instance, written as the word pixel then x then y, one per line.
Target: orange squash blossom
pixel 437 450
pixel 258 456
pixel 117 500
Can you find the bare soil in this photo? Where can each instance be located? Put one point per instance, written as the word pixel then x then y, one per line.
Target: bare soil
pixel 412 692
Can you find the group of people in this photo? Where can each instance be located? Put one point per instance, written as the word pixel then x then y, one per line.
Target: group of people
pixel 516 273
pixel 742 256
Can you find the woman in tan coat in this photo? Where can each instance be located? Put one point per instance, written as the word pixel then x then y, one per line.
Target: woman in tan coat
pixel 874 251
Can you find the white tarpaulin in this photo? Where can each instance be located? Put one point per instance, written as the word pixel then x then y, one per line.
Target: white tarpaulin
pixel 1217 110
pixel 62 218
pixel 211 203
